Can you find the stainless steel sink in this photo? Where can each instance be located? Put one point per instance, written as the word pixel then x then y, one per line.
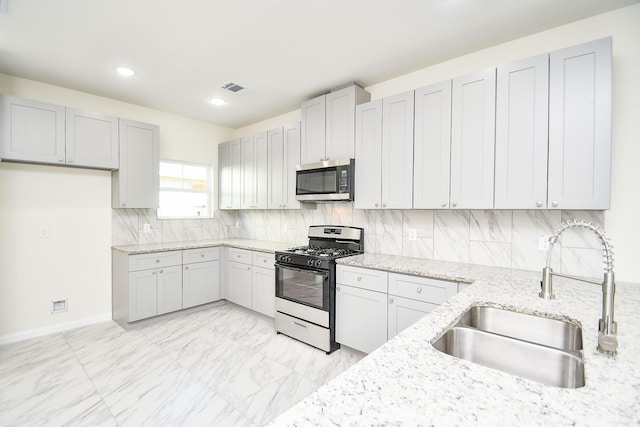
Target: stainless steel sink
pixel 527 327
pixel 541 349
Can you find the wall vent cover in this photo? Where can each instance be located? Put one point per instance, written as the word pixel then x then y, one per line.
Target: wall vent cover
pixel 233 87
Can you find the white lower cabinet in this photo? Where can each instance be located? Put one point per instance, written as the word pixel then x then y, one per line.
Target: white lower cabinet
pixel 263 284
pixel 361 318
pixel 373 306
pixel 144 285
pixel 404 312
pixel 250 280
pixel 201 279
pixel 150 284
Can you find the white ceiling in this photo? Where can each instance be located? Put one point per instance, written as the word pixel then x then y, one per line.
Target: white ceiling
pixel 283 51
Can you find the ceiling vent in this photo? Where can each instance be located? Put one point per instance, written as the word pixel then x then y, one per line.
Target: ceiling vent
pixel 233 87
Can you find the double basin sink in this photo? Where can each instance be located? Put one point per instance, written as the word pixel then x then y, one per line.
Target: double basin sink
pixel 538 348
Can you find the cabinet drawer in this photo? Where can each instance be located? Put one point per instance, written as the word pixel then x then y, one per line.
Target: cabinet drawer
pixel 153 260
pixel 363 278
pixel 264 259
pixel 200 255
pixel 239 255
pixel 421 288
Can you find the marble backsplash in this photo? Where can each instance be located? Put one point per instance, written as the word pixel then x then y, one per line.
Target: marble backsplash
pixel 501 238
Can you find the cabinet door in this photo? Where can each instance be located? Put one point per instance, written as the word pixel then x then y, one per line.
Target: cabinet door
pixel 263 291
pixel 247 173
pixel 473 140
pixel 522 118
pixel 236 181
pixel 291 152
pixel 432 147
pixel 260 171
pixel 340 124
pixel 200 283
pixel 312 139
pixel 580 127
pixel 224 175
pixel 397 151
pixel 276 169
pixel 136 183
pixel 92 139
pixel 31 131
pixel 238 286
pixel 143 294
pixel 361 318
pixel 368 152
pixel 169 289
pixel 404 312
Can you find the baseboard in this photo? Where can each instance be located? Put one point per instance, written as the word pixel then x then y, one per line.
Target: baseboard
pixel 59 327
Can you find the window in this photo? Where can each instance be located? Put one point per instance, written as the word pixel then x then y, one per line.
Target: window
pixel 185 190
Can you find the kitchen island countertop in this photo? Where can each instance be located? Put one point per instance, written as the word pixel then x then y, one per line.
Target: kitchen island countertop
pixel 407 382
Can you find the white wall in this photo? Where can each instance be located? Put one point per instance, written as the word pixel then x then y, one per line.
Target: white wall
pixel 75 206
pixel 622 26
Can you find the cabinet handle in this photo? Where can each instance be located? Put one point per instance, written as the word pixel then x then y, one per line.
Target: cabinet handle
pixel 300 325
pixel 201 255
pixel 337 288
pixel 359 279
pixel 186 267
pixel 123 204
pixel 419 290
pixel 454 204
pixel 538 204
pixel 390 300
pixel 157 261
pixel 384 205
pixel 555 204
pixel 153 272
pixel 70 161
pixel 61 159
pixel 443 204
pixel 161 271
pixel 376 205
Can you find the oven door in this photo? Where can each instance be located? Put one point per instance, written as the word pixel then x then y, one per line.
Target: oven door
pixel 303 286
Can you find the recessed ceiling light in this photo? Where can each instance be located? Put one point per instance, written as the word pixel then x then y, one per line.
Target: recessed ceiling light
pixel 125 72
pixel 217 101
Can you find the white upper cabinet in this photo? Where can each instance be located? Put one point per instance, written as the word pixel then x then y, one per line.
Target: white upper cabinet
pixel 432 146
pixel 397 151
pixel 473 140
pixel 92 139
pixel 283 156
pixel 328 125
pixel 580 127
pixel 253 194
pixel 312 113
pixel 37 132
pixel 522 134
pixel 368 165
pixel 136 183
pixel 229 175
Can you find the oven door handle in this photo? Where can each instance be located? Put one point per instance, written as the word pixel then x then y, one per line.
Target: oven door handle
pixel 304 270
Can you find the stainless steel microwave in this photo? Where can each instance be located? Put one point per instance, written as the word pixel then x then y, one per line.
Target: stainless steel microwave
pixel 328 181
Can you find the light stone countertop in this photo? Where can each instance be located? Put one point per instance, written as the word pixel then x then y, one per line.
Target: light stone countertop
pixel 406 382
pixel 254 245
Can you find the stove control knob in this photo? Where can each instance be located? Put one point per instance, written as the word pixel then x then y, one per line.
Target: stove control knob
pixel 310 263
pixel 318 263
pixel 288 259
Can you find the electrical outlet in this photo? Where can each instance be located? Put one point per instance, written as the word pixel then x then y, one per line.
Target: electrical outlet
pixel 543 242
pixel 413 234
pixel 60 305
pixel 147 228
pixel 44 233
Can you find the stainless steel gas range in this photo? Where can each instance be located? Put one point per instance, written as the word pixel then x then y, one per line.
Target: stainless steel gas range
pixel 306 284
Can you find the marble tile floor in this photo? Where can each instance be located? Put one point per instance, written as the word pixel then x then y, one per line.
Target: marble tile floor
pixel 223 366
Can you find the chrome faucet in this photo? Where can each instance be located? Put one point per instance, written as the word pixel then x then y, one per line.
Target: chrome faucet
pixel 607 327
